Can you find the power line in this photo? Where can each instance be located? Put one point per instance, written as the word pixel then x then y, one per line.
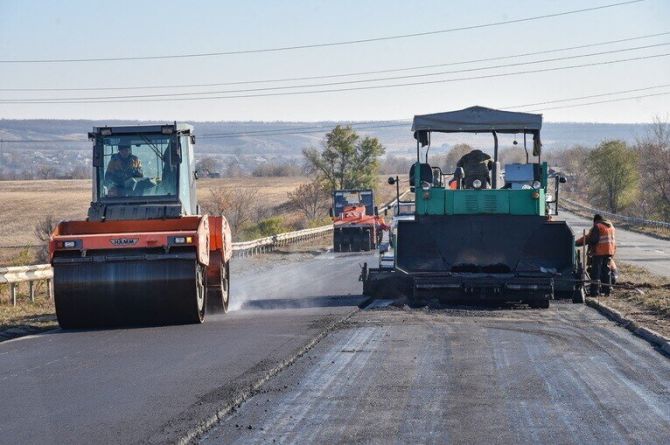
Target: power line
pixel 326 84
pixel 336 90
pixel 306 130
pixel 331 76
pixel 588 97
pixel 254 132
pixel 622 99
pixel 366 125
pixel 327 44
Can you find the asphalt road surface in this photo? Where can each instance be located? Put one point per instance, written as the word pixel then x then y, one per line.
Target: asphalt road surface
pixel 634 248
pixel 153 384
pixel 562 375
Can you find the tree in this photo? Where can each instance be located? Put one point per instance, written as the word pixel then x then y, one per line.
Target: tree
pixel 614 175
pixel 207 166
pixel 46 172
pixel 43 230
pixel 456 152
pixel 346 161
pixel 572 163
pixel 237 205
pixel 654 155
pixel 310 199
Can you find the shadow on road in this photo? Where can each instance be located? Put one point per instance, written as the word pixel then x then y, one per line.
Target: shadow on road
pixel 299 303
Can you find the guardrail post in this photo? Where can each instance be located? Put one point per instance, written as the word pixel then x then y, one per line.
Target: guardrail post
pixel 50 290
pixel 31 290
pixel 12 293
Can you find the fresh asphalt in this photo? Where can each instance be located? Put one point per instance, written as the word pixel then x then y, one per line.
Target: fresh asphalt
pixel 154 384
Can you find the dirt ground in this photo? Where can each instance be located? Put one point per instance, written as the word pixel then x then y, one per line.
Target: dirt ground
pixel 643 297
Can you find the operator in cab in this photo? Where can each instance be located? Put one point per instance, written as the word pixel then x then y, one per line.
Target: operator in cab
pixel 122 167
pixel 602 247
pixel 476 165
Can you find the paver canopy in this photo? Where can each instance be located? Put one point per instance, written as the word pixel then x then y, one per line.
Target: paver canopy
pixel 479 119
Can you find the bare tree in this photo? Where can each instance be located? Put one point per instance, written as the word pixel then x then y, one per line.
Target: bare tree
pixel 654 155
pixel 234 169
pixel 43 230
pixel 456 152
pixel 310 199
pixel 207 166
pixel 239 206
pixel 80 171
pixel 46 172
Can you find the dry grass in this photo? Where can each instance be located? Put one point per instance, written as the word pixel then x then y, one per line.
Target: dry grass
pixel 24 203
pixel 643 297
pixel 26 316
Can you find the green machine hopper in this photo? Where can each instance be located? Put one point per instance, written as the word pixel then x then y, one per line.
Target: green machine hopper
pixel 493 241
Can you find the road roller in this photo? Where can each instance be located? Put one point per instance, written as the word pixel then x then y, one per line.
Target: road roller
pixel 481 235
pixel 356 224
pixel 144 255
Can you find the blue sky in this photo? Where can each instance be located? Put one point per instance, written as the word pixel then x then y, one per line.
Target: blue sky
pixel 89 29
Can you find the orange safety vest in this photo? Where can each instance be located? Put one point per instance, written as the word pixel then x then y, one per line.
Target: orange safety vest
pixel 606 244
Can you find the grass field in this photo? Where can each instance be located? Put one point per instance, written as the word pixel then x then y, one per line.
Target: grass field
pixel 24 203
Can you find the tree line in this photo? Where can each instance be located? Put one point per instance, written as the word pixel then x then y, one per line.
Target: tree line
pixel 631 179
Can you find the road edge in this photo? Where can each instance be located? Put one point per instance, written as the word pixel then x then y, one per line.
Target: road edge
pixel 194 433
pixel 661 342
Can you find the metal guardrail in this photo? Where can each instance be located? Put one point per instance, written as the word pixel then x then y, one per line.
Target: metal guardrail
pixel 615 216
pixel 32 274
pixel 269 243
pixel 20 274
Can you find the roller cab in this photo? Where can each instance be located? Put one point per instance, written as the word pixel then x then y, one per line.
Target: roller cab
pixel 356 225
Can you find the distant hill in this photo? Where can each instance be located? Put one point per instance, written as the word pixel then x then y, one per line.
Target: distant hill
pixel 60 149
pixel 272 138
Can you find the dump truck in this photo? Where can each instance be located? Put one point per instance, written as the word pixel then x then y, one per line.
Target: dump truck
pixel 489 239
pixel 145 254
pixel 356 225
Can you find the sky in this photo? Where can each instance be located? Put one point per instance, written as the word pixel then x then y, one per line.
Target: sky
pixel 40 30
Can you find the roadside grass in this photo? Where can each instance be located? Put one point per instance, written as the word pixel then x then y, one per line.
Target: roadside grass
pixel 26 317
pixel 642 296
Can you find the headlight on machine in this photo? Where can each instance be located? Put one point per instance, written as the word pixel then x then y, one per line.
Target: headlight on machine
pixel 537 185
pixel 68 244
pixel 477 184
pixel 183 239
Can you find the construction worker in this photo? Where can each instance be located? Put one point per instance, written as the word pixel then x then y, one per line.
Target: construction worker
pixel 476 165
pixel 602 246
pixel 122 167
